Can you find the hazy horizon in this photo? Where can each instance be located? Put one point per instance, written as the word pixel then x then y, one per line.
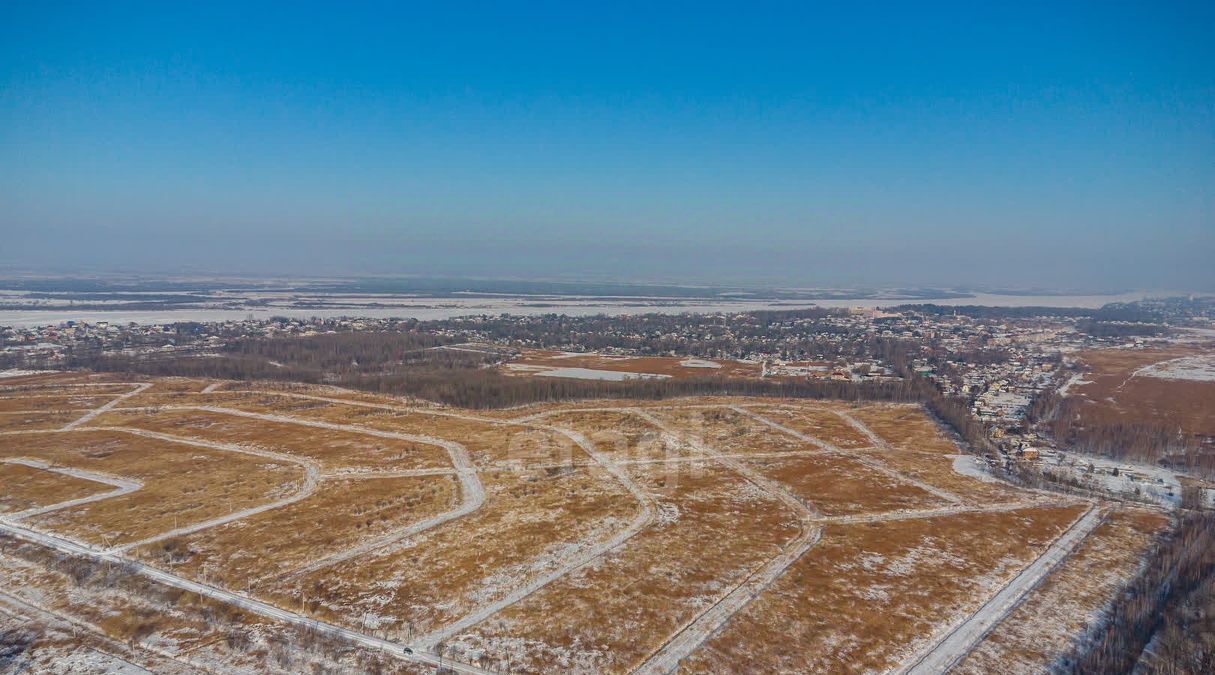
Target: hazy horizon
pixel 784 144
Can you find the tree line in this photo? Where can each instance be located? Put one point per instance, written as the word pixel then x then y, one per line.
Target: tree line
pixel 1072 425
pixel 1164 620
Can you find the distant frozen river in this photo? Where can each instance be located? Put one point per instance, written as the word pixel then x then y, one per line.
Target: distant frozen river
pixel 446 308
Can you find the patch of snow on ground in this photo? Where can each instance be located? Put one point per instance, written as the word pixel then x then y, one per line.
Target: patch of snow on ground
pixel 592 374
pixel 972 467
pixel 1073 381
pixel 870 561
pixel 17 372
pixel 699 363
pixel 908 563
pixel 1153 482
pixel 525 368
pixel 1199 368
pixel 667 514
pixel 88 661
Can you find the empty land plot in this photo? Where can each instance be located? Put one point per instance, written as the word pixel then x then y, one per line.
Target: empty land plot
pixel 819 423
pixel 529 522
pixel 841 486
pixel 868 594
pixel 906 427
pixel 542 410
pixel 179 384
pixel 51 402
pixel 331 448
pixel 937 471
pixel 385 416
pixel 31 421
pixel 45 644
pixel 340 514
pixel 1070 600
pixel 166 390
pixel 182 484
pixel 622 436
pixel 62 378
pixel 108 389
pixel 326 391
pixel 28 378
pixel 489 442
pixel 268 402
pixel 730 431
pixel 160 628
pixel 713 529
pixel 26 487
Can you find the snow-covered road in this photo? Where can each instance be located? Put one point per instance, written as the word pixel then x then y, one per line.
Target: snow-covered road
pixel 236 599
pixel 122 486
pixel 953 645
pixel 311 469
pixel 688 638
pixel 582 557
pixel 92 414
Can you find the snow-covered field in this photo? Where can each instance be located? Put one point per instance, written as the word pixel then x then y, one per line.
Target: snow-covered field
pixel 1200 368
pixel 593 374
pixel 520 572
pixel 1153 482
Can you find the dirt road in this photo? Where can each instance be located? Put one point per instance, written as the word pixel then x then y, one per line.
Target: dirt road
pixel 947 650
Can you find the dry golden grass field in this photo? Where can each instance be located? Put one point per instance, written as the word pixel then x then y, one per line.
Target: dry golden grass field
pixel 244 527
pixel 1137 385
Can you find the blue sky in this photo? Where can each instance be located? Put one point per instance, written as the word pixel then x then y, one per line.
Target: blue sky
pixel 843 143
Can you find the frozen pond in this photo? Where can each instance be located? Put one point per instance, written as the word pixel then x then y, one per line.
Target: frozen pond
pixel 699 363
pixel 592 374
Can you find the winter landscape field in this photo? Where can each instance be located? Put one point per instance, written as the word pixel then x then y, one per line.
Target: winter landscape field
pixel 186 525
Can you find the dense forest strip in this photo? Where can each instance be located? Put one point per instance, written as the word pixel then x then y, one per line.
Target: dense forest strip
pixel 1146 441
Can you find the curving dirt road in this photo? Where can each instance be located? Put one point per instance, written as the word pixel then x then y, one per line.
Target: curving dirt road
pixel 311 478
pixel 471 490
pixel 122 486
pixel 566 565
